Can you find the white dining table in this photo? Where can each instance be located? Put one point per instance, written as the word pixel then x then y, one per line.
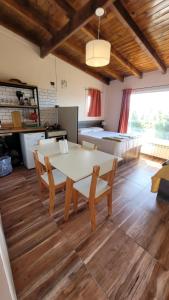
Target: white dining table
pixel 77 164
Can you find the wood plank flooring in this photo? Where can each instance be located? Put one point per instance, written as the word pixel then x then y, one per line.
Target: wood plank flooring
pixel 126 258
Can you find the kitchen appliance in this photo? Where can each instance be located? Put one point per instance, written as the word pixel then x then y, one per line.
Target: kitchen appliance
pixel 29 142
pixel 54 131
pixel 68 119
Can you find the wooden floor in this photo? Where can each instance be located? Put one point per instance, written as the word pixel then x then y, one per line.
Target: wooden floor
pixel 126 258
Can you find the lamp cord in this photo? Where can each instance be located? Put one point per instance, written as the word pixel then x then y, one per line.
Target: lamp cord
pixel 98 36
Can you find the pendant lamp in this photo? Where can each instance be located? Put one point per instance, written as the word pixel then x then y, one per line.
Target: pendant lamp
pixel 98 50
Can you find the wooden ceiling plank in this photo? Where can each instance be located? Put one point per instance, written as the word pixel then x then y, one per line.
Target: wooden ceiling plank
pixel 81 52
pixel 145 7
pixel 23 8
pixel 127 20
pixel 81 67
pixel 114 53
pixel 66 7
pixel 81 18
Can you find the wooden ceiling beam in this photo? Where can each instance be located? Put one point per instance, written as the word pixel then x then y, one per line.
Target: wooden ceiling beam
pixel 14 27
pixel 81 67
pixel 66 7
pixel 128 22
pixel 81 18
pixel 114 53
pixel 27 11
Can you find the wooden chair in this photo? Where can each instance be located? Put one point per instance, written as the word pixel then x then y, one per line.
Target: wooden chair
pixel 95 188
pixel 88 145
pixel 47 141
pixel 50 178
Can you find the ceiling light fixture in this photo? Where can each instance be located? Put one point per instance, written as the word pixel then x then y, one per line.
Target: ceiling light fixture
pixel 98 50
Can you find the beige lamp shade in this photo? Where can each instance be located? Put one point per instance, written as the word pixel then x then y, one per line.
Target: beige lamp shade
pixel 98 53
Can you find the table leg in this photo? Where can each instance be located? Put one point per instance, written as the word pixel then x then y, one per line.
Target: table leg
pixel 68 197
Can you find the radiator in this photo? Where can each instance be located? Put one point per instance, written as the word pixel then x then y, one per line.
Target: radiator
pixel 157 150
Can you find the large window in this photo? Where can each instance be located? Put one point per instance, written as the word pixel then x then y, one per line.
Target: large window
pixel 149 115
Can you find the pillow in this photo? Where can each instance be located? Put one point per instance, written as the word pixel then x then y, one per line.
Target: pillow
pixel 90 129
pixel 96 129
pixel 84 130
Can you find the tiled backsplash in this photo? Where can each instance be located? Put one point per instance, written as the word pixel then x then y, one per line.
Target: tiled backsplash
pixel 47 102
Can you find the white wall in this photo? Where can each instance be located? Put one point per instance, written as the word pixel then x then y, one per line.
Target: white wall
pixel 20 59
pixel 115 90
pixel 7 289
pixel 75 94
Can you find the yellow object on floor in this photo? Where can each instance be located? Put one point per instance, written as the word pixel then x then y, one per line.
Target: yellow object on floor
pixel 163 173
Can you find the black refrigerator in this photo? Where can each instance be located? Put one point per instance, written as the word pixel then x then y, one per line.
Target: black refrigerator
pixel 68 120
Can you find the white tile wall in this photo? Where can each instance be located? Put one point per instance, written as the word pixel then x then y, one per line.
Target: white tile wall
pixel 47 102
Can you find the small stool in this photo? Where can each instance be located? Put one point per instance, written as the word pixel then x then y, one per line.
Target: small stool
pixel 163 191
pixel 5 165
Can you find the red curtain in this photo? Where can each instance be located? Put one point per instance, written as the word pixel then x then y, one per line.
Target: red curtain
pixel 95 103
pixel 124 115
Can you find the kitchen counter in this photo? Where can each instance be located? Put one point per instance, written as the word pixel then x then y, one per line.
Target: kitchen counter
pixel 22 129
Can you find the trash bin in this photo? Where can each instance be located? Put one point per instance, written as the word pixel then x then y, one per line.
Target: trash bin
pixel 5 165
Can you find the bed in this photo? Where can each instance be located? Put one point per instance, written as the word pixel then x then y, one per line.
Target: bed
pixel 125 146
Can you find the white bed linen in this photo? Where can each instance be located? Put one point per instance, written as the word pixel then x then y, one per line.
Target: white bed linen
pixel 110 146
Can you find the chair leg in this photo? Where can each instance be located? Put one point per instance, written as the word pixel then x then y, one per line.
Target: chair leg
pixel 68 197
pixel 41 190
pixel 51 201
pixel 109 203
pixel 92 214
pixel 75 199
pixel 41 186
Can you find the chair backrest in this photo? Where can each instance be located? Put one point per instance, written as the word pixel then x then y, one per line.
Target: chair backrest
pixel 109 168
pixel 89 145
pixel 40 158
pixel 47 141
pixel 49 171
pixel 42 165
pixel 38 165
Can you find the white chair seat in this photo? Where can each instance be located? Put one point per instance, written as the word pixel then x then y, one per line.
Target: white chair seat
pixel 83 186
pixel 58 177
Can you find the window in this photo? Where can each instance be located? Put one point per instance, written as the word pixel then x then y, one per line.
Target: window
pixel 149 115
pixel 88 103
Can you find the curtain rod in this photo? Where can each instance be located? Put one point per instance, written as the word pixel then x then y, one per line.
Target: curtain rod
pixel 86 89
pixel 150 87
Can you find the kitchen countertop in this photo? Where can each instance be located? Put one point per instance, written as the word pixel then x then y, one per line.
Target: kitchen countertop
pixel 24 129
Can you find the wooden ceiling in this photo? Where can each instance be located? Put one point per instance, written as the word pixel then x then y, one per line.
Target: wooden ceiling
pixel 137 29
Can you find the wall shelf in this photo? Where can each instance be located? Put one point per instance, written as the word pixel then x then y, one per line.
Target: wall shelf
pixel 17 85
pixel 19 106
pixel 35 95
